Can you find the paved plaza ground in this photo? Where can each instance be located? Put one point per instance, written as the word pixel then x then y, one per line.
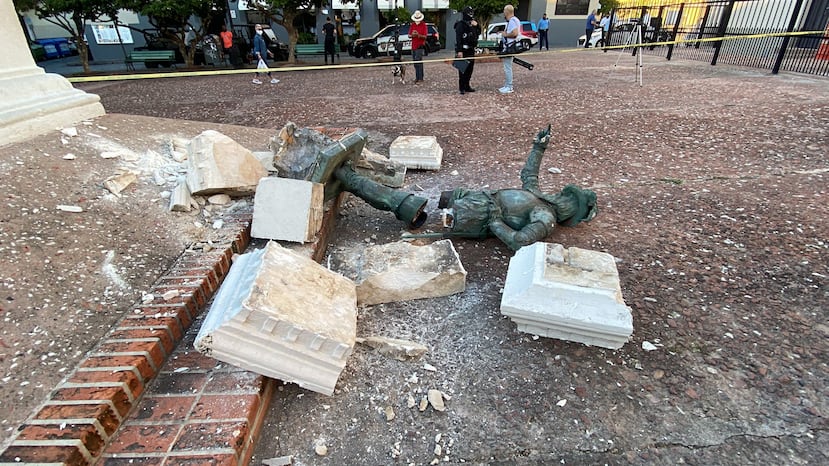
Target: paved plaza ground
pixel 712 191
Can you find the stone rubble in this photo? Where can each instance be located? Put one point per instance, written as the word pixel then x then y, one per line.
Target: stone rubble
pixel 401 271
pixel 280 314
pixel 418 152
pixel 287 210
pixel 570 294
pixel 218 164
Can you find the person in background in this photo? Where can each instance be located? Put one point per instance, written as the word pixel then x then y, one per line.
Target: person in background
pixel 261 53
pixel 605 25
pixel 330 32
pixel 227 42
pixel 543 27
pixel 589 27
pixel 510 35
pixel 418 31
pixel 466 38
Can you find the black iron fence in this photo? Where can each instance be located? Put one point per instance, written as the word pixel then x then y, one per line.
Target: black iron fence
pixel 789 35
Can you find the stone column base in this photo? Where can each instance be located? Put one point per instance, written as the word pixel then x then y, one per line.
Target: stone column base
pixel 35 102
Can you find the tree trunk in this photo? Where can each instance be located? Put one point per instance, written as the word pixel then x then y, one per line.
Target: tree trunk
pixel 83 51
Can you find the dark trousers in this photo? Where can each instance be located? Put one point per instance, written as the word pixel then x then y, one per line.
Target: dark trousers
pixel 542 39
pixel 329 50
pixel 417 55
pixel 587 34
pixel 466 76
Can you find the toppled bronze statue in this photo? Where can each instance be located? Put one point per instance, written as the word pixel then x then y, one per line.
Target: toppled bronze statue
pixel 518 217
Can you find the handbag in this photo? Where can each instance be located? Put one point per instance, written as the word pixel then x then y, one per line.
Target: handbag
pixel 261 65
pixel 512 48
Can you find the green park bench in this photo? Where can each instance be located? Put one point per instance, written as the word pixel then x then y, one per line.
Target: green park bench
pixel 312 49
pixel 488 45
pixel 151 58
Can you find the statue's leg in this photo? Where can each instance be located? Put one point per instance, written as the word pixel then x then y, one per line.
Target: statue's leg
pixel 406 207
pixel 529 174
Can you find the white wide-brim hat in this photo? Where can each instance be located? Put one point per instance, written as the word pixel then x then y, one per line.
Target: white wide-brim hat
pixel 417 16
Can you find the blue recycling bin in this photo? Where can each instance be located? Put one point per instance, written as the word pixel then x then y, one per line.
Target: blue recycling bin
pixel 55 48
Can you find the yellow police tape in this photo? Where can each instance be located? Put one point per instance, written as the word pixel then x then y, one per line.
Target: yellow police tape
pixel 187 74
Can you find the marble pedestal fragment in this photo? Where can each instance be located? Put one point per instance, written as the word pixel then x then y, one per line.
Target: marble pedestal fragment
pixel 282 315
pixel 422 152
pixel 218 164
pixel 570 294
pixel 401 271
pixel 287 210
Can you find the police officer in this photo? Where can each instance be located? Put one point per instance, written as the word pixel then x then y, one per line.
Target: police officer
pixel 466 39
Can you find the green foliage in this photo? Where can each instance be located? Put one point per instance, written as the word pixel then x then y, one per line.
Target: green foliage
pixel 484 9
pixel 70 15
pixel 306 38
pixel 609 5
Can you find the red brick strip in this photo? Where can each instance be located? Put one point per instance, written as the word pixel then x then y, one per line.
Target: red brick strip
pixel 103 410
pixel 144 396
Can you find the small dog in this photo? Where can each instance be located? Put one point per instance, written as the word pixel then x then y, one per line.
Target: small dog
pixel 398 71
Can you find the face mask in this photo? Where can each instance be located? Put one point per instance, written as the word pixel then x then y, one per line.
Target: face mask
pixel 259 31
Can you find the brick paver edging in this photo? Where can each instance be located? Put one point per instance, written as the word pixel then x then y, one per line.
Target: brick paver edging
pixel 84 412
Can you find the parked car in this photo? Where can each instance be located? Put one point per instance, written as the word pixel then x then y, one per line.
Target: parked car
pixel 596 39
pixel 528 35
pixel 381 43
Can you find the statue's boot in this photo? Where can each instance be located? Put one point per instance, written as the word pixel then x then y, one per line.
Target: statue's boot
pixel 405 206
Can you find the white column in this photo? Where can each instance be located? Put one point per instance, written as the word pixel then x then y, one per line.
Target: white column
pixel 33 102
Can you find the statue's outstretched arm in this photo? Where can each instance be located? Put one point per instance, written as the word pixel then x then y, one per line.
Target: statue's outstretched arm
pixel 529 174
pixel 541 225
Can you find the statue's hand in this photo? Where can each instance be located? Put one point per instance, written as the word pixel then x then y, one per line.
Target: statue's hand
pixel 543 136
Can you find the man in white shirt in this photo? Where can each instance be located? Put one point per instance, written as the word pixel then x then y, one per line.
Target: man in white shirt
pixel 510 35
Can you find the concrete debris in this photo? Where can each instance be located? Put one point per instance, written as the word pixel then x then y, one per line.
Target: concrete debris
pixel 218 164
pixel 401 271
pixel 266 159
pixel 69 156
pixel 410 402
pixel 424 403
pixel 172 294
pixel 380 169
pixel 421 152
pixel 279 461
pixel 287 210
pixel 570 294
pixel 180 144
pixel 219 199
pixel 280 314
pixel 178 156
pixel 70 131
pixel 436 400
pixel 389 412
pixel 561 403
pixel 648 346
pixel 70 208
pixel 111 154
pixel 180 199
pixel 429 367
pixel 118 183
pixel 401 350
pixel 320 448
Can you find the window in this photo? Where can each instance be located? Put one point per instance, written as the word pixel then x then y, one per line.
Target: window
pixel 572 7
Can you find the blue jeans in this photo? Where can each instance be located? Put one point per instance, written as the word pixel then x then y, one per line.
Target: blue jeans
pixel 417 55
pixel 507 71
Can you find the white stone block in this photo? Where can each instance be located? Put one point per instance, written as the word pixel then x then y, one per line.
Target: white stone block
pixel 282 315
pixel 218 164
pixel 571 294
pixel 422 152
pixel 287 210
pixel 401 271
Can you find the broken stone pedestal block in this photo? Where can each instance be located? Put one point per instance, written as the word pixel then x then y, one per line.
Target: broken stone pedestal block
pixel 380 169
pixel 282 315
pixel 287 210
pixel 401 271
pixel 422 152
pixel 218 164
pixel 570 294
